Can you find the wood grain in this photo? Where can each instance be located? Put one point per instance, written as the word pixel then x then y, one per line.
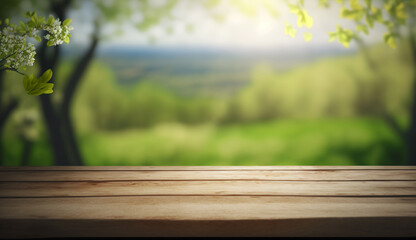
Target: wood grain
pixel 205 207
pixel 180 188
pixel 93 175
pixel 41 202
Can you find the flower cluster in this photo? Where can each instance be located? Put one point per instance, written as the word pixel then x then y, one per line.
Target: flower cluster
pixel 58 33
pixel 14 49
pixel 16 52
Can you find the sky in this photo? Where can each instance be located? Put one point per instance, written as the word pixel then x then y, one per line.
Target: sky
pixel 261 32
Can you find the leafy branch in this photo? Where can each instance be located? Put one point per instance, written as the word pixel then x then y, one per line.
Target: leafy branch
pixel 16 52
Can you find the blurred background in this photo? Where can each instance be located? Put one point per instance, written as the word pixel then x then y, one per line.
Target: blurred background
pixel 207 83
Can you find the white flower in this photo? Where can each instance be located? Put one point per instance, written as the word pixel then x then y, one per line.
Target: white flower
pixel 57 33
pixel 14 46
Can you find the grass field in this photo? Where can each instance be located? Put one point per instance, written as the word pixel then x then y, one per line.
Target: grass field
pixel 283 142
pixel 260 122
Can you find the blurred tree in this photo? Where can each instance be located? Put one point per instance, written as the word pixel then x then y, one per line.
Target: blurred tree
pixel 393 14
pixel 7 106
pixel 57 113
pixel 365 13
pixel 17 53
pixel 59 122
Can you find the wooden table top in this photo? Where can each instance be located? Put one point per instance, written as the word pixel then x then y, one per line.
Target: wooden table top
pixel 207 201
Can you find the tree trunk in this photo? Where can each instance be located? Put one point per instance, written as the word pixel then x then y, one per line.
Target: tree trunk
pixel 50 115
pixel 411 141
pixel 71 85
pixel 5 113
pixel 27 147
pixel 411 138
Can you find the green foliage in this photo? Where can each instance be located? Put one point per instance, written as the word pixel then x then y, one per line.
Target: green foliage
pixel 17 53
pixel 389 39
pixel 289 30
pixel 264 124
pixel 303 19
pixel 395 11
pixel 314 90
pixel 364 141
pixel 343 36
pixel 37 86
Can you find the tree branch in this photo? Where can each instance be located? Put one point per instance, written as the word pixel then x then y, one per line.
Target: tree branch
pixel 3 59
pixel 76 76
pixel 11 69
pixel 391 121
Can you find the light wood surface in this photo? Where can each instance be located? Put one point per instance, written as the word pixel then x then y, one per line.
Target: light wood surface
pixel 200 175
pixel 207 201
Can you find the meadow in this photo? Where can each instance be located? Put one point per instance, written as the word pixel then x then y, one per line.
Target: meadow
pixel 324 112
pixel 282 142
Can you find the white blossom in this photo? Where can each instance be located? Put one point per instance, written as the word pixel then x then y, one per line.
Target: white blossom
pixel 14 47
pixel 57 33
pixel 15 52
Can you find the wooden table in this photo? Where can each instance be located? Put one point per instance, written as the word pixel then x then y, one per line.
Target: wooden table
pixel 207 201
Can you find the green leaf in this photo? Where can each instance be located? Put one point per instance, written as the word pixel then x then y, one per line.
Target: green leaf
pixel 369 19
pixel 307 36
pixel 38 38
pixel 344 36
pixel 67 22
pixel 332 36
pixel 34 86
pixel 22 27
pixel 6 21
pixel 49 43
pixel 351 14
pixel 304 19
pixel 368 3
pixel 51 20
pixel 41 20
pixel 46 76
pixel 389 39
pixel 388 24
pixel 294 8
pixel 377 14
pixel 289 30
pixel 362 28
pixel 34 19
pixel 66 40
pixel 355 5
pixel 400 13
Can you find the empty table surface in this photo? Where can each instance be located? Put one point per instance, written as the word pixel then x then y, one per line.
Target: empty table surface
pixel 207 201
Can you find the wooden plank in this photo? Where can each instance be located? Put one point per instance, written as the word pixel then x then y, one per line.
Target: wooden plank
pixel 177 188
pixel 207 201
pixel 333 175
pixel 321 227
pixel 206 216
pixel 205 207
pixel 201 168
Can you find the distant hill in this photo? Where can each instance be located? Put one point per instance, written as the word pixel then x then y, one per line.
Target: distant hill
pixel 202 71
